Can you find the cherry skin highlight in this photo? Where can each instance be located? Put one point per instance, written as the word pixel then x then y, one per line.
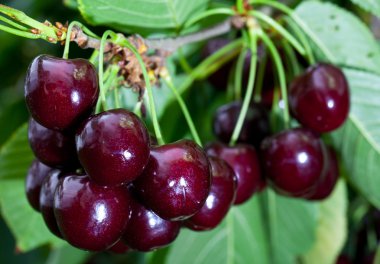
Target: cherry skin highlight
pixel 113 147
pixel 320 98
pixel 244 161
pixel 176 181
pixel 293 161
pixel 220 199
pixel 60 93
pixel 90 216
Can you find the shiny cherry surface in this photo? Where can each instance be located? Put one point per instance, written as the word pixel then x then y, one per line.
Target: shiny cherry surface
pixel 60 93
pixel 177 180
pixel 244 161
pixel 320 98
pixel 255 127
pixel 113 147
pixel 147 231
pixel 36 174
pixel 54 148
pixel 220 199
pixel 90 216
pixel 293 161
pixel 47 200
pixel 119 248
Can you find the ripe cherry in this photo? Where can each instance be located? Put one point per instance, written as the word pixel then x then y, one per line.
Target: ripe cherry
pixel 113 147
pixel 255 127
pixel 60 93
pixel 90 216
pixel 244 161
pixel 36 174
pixel 54 148
pixel 119 248
pixel 147 231
pixel 220 199
pixel 320 98
pixel 176 181
pixel 293 161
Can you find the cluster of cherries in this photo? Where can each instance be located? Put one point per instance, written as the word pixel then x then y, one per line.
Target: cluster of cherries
pixel 101 183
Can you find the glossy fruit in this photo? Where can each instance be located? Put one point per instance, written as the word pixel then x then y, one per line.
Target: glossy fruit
pixel 293 161
pixel 177 180
pixel 89 216
pixel 244 161
pixel 326 186
pixel 320 98
pixel 47 201
pixel 220 199
pixel 119 248
pixel 60 93
pixel 113 147
pixel 51 147
pixel 147 231
pixel 255 127
pixel 36 174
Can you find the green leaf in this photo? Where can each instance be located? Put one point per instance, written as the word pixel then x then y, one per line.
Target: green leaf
pixel 126 15
pixel 26 224
pixel 239 239
pixel 73 4
pixel 16 155
pixel 344 35
pixel 332 228
pixel 372 6
pixel 358 141
pixel 67 254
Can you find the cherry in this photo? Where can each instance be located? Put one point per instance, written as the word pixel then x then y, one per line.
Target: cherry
pixel 326 185
pixel 255 127
pixel 51 147
pixel 113 147
pixel 244 161
pixel 147 231
pixel 60 93
pixel 119 248
pixel 47 201
pixel 319 98
pixel 177 180
pixel 90 216
pixel 220 199
pixel 293 161
pixel 36 174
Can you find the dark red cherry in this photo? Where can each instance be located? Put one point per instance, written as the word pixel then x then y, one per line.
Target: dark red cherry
pixel 293 161
pixel 343 259
pixel 320 98
pixel 36 174
pixel 176 181
pixel 60 93
pixel 47 200
pixel 147 231
pixel 51 147
pixel 244 161
pixel 119 248
pixel 113 147
pixel 326 185
pixel 90 216
pixel 255 127
pixel 220 199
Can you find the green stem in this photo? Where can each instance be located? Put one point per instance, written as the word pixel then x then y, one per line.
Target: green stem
pixel 296 70
pixel 12 23
pixel 182 104
pixel 281 74
pixel 94 57
pixel 280 6
pixel 240 6
pixel 208 13
pixel 251 81
pixel 19 32
pixel 239 73
pixel 280 29
pixel 183 62
pixel 260 79
pixel 152 107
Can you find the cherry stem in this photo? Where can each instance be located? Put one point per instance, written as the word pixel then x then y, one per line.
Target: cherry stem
pixel 125 42
pixel 281 74
pixel 238 73
pixel 260 79
pixel 299 22
pixel 240 6
pixel 208 13
pixel 251 81
pixel 19 32
pixel 292 58
pixel 183 62
pixel 169 82
pixel 280 29
pixel 12 23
